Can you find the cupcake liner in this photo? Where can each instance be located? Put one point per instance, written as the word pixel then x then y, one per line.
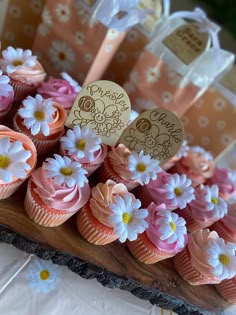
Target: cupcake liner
pixel 92 230
pixel 145 251
pixel 191 224
pixel 106 172
pixel 40 213
pixel 144 195
pixel 223 232
pixel 187 271
pixel 21 90
pixel 42 145
pixel 227 289
pixel 6 190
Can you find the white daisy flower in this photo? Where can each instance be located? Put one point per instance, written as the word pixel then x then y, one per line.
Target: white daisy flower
pixel 183 151
pixel 63 12
pixel 171 227
pixel 61 55
pixel 42 275
pixel 222 258
pixel 143 167
pixel 5 87
pixel 71 81
pixel 65 171
pixel 13 159
pixel 179 190
pixel 14 59
pixel 128 220
pixel 201 151
pixel 152 74
pixel 214 201
pixel 37 114
pixel 82 142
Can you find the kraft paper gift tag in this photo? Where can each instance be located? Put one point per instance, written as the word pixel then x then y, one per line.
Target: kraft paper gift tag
pixel 179 64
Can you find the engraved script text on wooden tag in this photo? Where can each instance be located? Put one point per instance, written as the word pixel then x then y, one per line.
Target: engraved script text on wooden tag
pixel 104 107
pixel 187 43
pixel 229 80
pixel 158 132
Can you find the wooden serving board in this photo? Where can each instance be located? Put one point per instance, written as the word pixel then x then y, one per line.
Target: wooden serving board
pixel 112 265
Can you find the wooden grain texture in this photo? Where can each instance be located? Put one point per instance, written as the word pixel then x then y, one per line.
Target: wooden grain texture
pixel 116 259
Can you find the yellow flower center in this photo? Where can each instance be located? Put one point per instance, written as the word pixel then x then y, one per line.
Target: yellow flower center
pixel 126 217
pixel 224 259
pixel 67 171
pixel 4 161
pixel 141 167
pixel 17 62
pixel 44 275
pixel 178 191
pixel 81 144
pixel 215 201
pixel 172 226
pixel 39 115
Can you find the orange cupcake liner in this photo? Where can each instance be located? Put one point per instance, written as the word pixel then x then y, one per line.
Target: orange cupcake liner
pixel 145 251
pixel 227 289
pixel 21 90
pixel 6 190
pixel 92 230
pixel 106 172
pixel 223 232
pixel 40 213
pixel 42 145
pixel 187 271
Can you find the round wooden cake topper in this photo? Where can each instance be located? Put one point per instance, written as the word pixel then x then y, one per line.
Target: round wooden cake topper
pixel 158 132
pixel 104 107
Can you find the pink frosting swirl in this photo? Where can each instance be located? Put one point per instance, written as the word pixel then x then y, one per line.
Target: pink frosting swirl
pixel 28 75
pixel 103 195
pixel 59 197
pixel 118 158
pixel 6 93
pixel 198 243
pixel 153 230
pixel 197 165
pixel 229 221
pixel 199 207
pixel 222 178
pixel 59 90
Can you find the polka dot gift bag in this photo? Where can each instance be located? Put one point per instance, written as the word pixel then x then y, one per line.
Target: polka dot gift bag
pixel 80 37
pixel 210 122
pixel 179 63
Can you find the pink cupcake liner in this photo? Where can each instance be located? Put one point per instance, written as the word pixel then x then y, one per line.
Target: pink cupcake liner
pixel 222 232
pixel 227 289
pixel 191 223
pixel 145 251
pixel 106 172
pixel 6 190
pixel 21 91
pixel 92 230
pixel 188 272
pixel 41 214
pixel 42 145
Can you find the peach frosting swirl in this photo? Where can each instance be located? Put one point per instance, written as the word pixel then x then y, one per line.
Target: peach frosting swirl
pixel 198 243
pixel 28 75
pixel 118 158
pixel 59 90
pixel 197 165
pixel 153 231
pixel 59 197
pixel 229 221
pixel 102 196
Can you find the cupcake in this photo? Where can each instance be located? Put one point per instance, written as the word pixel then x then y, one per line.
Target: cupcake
pixel 165 236
pixel 183 152
pixel 56 191
pixel 62 91
pixel 6 95
pixel 83 145
pixel 197 165
pixel 207 208
pixel 206 259
pixel 130 168
pixel 174 190
pixel 93 220
pixel 24 71
pixel 17 160
pixel 226 227
pixel 227 289
pixel 225 180
pixel 42 121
